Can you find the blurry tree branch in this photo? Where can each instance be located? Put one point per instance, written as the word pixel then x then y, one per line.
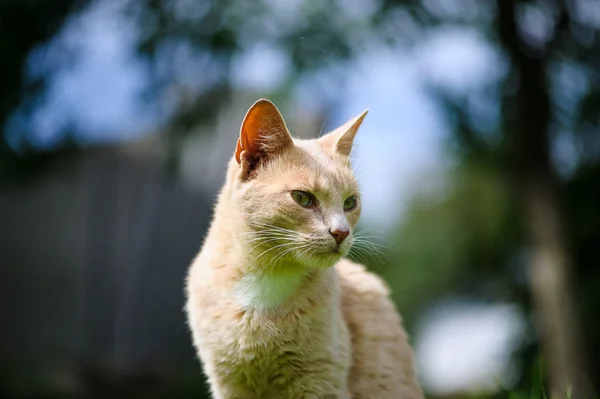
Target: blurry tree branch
pixel 527 122
pixel 26 25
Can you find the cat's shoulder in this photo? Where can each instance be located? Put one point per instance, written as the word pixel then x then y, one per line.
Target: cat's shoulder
pixel 366 302
pixel 355 277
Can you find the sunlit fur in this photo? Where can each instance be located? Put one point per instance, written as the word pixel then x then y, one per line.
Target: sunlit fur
pixel 275 310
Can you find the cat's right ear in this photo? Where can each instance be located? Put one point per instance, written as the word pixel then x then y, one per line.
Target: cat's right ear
pixel 341 139
pixel 263 134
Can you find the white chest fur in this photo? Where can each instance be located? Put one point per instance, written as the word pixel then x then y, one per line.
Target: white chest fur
pixel 266 291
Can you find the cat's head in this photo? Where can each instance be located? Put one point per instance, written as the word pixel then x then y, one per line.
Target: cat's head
pixel 298 198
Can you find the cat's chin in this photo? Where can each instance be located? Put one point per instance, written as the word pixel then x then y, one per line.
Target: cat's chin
pixel 325 260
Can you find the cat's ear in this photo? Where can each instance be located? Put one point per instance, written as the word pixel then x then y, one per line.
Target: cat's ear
pixel 263 134
pixel 341 139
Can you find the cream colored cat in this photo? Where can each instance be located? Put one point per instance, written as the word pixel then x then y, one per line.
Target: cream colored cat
pixel 275 310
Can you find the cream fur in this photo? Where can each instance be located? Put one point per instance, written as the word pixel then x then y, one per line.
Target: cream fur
pixel 279 313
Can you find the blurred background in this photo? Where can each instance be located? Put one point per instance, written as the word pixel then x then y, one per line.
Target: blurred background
pixel 479 164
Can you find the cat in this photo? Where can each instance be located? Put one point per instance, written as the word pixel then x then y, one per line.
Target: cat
pixel 274 308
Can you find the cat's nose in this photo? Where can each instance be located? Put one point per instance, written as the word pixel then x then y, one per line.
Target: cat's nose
pixel 339 234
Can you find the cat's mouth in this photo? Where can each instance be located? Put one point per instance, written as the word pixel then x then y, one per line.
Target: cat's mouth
pixel 331 252
pixel 337 250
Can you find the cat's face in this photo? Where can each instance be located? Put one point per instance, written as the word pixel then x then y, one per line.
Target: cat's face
pixel 299 198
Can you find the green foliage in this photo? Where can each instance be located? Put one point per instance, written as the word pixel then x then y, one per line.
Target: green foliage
pixel 18 91
pixel 454 240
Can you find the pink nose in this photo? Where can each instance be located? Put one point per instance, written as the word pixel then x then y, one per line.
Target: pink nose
pixel 339 235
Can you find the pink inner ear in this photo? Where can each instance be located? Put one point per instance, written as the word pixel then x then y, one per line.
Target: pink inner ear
pixel 252 126
pixel 263 122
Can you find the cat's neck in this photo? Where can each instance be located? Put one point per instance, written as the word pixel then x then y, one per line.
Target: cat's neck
pixel 285 292
pixel 269 291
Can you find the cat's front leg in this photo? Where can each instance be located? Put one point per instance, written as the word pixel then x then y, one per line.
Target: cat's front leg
pixel 219 392
pixel 311 395
pixel 307 389
pixel 218 389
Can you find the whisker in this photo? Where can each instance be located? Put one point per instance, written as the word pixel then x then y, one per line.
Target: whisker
pixel 366 235
pixel 267 237
pixel 287 244
pixel 323 125
pixel 262 243
pixel 277 228
pixel 284 252
pixel 367 246
pixel 363 248
pixel 272 234
pixel 354 252
pixel 356 165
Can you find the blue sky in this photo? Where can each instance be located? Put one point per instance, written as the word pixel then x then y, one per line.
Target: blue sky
pixel 400 143
pixel 400 146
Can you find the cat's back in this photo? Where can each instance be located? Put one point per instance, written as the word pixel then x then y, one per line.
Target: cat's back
pixel 382 360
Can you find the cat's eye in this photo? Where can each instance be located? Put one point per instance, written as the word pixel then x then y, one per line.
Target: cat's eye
pixel 303 198
pixel 350 203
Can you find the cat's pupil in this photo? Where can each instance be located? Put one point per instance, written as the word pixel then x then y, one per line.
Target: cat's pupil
pixel 350 203
pixel 302 198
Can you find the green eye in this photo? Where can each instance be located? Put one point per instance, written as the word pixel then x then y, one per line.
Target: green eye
pixel 350 203
pixel 303 198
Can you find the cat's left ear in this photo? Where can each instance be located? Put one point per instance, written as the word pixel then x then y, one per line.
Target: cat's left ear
pixel 341 139
pixel 263 134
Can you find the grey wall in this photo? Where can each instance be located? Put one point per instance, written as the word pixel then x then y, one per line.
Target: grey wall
pixel 93 255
